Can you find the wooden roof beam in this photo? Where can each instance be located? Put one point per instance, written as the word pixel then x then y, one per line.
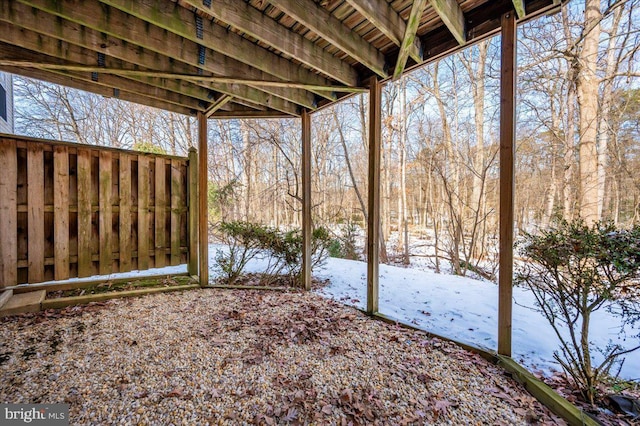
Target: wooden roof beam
pixel 518 5
pixel 409 36
pixel 251 21
pixel 78 55
pixel 181 21
pixel 81 25
pixel 452 16
pixel 75 83
pixel 330 28
pixel 217 105
pixel 389 22
pixel 115 83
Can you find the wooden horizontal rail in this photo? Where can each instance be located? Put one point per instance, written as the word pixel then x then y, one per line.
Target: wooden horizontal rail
pixel 79 300
pixel 72 285
pixel 48 261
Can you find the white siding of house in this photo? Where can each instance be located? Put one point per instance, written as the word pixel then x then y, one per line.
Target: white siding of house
pixel 6 81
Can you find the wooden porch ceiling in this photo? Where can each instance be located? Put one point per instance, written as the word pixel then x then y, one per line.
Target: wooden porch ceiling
pixel 238 58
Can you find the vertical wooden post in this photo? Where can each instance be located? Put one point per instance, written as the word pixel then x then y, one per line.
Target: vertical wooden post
pixel 306 201
pixel 192 267
pixel 203 220
pixel 373 222
pixel 507 177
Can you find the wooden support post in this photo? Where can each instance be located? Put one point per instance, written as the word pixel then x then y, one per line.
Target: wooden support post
pixel 306 201
pixel 507 177
pixel 373 220
pixel 203 220
pixel 192 257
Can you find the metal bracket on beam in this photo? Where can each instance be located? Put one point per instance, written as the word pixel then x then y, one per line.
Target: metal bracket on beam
pixel 199 27
pixel 116 93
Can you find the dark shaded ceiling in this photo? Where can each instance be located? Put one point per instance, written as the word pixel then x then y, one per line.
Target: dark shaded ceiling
pixel 237 58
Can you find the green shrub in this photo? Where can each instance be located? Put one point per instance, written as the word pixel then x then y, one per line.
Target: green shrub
pixel 573 270
pixel 282 249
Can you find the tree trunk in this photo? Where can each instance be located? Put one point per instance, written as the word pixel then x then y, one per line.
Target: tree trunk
pixel 587 90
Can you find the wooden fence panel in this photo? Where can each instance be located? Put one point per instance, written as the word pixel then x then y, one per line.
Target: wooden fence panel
pixel 69 210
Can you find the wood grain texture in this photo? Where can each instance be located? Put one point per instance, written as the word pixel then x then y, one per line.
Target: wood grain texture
pixel 85 266
pixel 373 207
pixel 105 213
pixel 177 198
pixel 203 211
pixel 8 213
pixel 192 257
pixel 35 205
pixel 143 212
pixel 125 213
pixel 61 212
pixel 160 213
pixel 507 179
pixel 306 201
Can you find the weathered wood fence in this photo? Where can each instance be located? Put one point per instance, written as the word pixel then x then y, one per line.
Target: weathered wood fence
pixel 69 210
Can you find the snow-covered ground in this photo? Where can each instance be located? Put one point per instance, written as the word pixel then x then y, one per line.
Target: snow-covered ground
pixel 460 308
pixel 466 310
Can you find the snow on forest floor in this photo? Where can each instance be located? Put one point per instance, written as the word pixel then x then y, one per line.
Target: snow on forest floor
pixel 460 308
pixel 466 310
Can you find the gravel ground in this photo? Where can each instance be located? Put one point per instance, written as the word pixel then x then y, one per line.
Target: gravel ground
pixel 248 357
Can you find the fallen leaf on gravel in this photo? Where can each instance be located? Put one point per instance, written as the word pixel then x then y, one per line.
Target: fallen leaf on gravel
pixel 327 409
pixel 175 393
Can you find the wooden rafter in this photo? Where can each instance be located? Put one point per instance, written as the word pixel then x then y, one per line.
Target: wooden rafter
pixel 75 83
pixel 452 16
pixel 318 20
pixel 260 26
pixel 217 105
pixel 32 42
pixel 518 5
pixel 188 77
pixel 178 20
pixel 136 32
pixel 409 36
pixel 387 20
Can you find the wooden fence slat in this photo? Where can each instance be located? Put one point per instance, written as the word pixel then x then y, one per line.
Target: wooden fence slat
pixel 61 212
pixel 143 212
pixel 85 265
pixel 8 214
pixel 105 213
pixel 177 198
pixel 160 213
pixel 35 206
pixel 125 213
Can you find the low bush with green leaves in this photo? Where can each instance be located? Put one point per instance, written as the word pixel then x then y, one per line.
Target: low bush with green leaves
pixel 573 270
pixel 282 250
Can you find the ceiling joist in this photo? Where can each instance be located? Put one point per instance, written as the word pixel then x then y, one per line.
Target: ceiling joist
pixel 139 33
pixel 381 14
pixel 250 20
pixel 452 16
pixel 178 20
pixel 228 58
pixel 321 22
